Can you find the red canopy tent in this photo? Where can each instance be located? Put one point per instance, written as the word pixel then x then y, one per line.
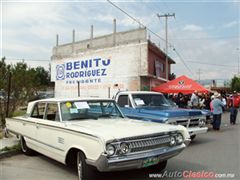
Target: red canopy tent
pixel 181 84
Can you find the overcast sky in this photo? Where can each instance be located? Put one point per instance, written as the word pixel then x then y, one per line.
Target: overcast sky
pixel 205 34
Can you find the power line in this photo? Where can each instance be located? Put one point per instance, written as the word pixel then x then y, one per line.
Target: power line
pixel 141 24
pixel 23 59
pixel 136 20
pixel 211 64
pixel 180 57
pixel 206 38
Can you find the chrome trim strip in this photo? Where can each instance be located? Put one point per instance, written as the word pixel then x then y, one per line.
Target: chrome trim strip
pixel 141 117
pixel 37 123
pixel 148 138
pixel 54 147
pixel 175 119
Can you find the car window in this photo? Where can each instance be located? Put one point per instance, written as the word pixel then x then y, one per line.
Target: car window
pixel 123 100
pixel 150 100
pixel 90 109
pixel 52 112
pixel 38 110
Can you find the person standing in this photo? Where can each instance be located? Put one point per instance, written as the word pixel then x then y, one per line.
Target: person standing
pixel 207 101
pixel 224 101
pixel 194 101
pixel 202 100
pixel 233 104
pixel 217 107
pixel 180 101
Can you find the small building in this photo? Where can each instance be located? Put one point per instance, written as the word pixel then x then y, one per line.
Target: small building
pixel 100 66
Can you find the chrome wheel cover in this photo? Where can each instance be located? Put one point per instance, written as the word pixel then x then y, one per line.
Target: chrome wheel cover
pixel 79 167
pixel 23 145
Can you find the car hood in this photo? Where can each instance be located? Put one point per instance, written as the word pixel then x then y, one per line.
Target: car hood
pixel 206 112
pixel 110 129
pixel 170 112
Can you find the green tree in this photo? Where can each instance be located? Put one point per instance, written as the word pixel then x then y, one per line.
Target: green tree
pixel 25 83
pixel 235 84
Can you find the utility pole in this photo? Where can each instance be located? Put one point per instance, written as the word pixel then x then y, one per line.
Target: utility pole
pixel 166 37
pixel 78 82
pixel 8 93
pixel 238 49
pixel 199 74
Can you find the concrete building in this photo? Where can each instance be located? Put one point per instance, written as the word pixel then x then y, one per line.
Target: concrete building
pixel 100 66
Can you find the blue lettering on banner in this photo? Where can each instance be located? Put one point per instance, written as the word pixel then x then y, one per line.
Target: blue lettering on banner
pixel 84 81
pixel 68 66
pixel 104 72
pixel 106 63
pixel 85 71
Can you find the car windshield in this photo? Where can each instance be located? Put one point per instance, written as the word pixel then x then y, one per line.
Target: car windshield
pixel 171 102
pixel 152 100
pixel 92 109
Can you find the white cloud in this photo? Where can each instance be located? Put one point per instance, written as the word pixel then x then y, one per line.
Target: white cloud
pixel 29 31
pixel 30 48
pixel 105 18
pixel 212 52
pixel 32 14
pixel 192 27
pixel 198 46
pixel 231 24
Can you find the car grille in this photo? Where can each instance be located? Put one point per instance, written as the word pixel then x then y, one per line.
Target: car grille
pixel 186 123
pixel 183 123
pixel 194 123
pixel 144 143
pixel 149 144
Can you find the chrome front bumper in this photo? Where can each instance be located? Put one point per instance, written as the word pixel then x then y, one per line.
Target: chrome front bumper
pixel 197 130
pixel 135 161
pixel 187 142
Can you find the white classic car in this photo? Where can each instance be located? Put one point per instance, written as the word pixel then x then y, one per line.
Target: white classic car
pixel 93 134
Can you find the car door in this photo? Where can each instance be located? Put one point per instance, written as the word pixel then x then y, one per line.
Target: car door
pixel 29 127
pixel 50 132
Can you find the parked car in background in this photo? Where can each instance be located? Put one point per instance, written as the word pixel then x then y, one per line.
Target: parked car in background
pixel 207 113
pixel 2 94
pixel 94 134
pixel 153 106
pixel 45 94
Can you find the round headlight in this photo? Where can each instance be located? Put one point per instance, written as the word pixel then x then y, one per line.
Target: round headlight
pixel 202 122
pixel 172 141
pixel 124 148
pixel 179 139
pixel 110 150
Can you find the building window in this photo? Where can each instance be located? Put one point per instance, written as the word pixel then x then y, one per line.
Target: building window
pixel 159 68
